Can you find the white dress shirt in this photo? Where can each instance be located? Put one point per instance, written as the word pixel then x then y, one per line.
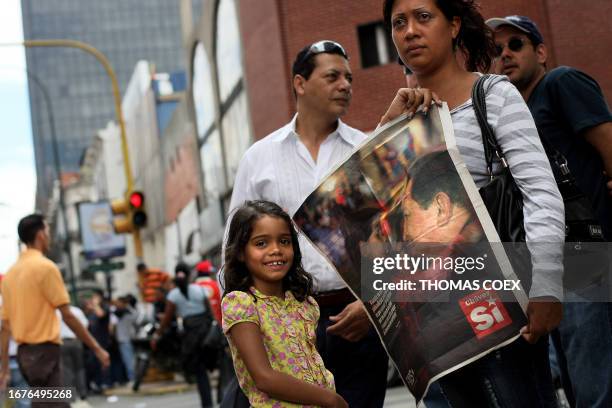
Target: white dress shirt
pixel 280 169
pixel 65 331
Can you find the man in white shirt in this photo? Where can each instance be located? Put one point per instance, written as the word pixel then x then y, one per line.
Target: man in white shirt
pixel 286 166
pixel 73 366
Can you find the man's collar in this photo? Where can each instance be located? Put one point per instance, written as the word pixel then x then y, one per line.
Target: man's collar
pixel 533 86
pixel 343 130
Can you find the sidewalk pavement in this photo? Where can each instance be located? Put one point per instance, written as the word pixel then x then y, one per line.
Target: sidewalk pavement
pixel 155 388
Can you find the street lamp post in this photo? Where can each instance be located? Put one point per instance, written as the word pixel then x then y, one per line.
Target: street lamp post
pixel 118 112
pixel 58 172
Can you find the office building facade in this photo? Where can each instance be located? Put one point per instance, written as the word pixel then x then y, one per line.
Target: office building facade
pixel 79 88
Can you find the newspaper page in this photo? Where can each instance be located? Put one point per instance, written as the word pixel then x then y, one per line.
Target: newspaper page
pixel 402 222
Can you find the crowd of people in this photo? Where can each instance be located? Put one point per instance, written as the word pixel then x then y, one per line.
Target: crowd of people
pixel 48 342
pixel 445 46
pixel 296 334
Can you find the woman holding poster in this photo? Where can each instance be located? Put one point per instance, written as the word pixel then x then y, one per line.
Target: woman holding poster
pixel 443 42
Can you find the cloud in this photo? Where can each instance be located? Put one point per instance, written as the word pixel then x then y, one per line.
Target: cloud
pixel 14 75
pixel 11 31
pixel 17 176
pixel 16 201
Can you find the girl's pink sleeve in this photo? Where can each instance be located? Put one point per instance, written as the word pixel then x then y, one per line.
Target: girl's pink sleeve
pixel 238 307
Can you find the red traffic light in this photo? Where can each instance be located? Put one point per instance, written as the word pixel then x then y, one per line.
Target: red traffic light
pixel 136 199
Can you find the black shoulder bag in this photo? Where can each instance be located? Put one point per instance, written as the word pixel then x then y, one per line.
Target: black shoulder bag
pixel 501 195
pixel 581 225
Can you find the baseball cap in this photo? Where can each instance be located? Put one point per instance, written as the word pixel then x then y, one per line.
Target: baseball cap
pixel 205 267
pixel 521 23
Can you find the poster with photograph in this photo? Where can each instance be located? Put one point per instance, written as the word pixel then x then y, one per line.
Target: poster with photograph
pixel 402 222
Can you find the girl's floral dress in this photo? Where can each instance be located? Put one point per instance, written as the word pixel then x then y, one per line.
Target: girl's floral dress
pixel 288 333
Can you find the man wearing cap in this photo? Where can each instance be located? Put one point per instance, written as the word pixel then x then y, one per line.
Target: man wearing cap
pixel 572 116
pixel 284 167
pixel 204 269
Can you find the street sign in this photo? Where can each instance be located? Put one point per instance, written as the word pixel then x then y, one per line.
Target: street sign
pixel 106 266
pixel 96 225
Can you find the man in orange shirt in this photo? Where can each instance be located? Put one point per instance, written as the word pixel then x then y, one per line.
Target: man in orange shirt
pixel 31 290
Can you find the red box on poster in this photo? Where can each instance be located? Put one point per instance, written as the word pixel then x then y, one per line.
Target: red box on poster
pixel 485 312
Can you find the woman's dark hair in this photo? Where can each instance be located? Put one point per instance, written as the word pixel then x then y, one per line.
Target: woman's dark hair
pixel 475 38
pixel 236 274
pixel 182 283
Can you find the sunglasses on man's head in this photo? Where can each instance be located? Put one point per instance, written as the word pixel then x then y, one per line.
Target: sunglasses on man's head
pixel 323 47
pixel 515 44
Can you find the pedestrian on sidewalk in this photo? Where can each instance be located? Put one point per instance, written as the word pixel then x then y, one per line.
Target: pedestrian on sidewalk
pixel 124 331
pixel 188 301
pixel 205 270
pixel 98 313
pixel 573 117
pixel 73 363
pixel 31 291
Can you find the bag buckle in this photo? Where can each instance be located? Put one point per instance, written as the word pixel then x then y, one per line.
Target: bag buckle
pixel 501 158
pixel 564 169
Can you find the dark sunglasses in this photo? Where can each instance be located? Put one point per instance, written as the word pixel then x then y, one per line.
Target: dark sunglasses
pixel 324 46
pixel 515 44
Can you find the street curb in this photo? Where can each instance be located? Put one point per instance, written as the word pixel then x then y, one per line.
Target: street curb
pixel 150 389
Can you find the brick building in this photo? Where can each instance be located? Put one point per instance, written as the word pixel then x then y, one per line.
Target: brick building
pixel 577 33
pixel 239 66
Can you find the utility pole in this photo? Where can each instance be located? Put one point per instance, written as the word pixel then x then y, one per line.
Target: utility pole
pixel 117 101
pixel 58 171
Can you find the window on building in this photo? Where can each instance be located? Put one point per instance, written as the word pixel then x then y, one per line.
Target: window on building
pixel 203 92
pixel 375 45
pixel 212 166
pixel 212 213
pixel 236 134
pixel 228 54
pixel 235 128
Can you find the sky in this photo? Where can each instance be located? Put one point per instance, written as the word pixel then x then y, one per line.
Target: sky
pixel 17 173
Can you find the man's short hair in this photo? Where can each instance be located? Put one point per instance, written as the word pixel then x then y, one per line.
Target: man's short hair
pixel 435 173
pixel 304 62
pixel 29 226
pixel 99 292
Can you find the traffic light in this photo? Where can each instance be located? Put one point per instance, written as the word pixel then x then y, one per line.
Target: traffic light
pixel 130 213
pixel 139 216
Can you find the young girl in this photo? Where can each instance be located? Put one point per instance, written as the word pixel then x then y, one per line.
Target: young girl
pixel 268 315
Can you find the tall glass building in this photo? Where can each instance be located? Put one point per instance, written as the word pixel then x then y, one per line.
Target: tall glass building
pixel 126 31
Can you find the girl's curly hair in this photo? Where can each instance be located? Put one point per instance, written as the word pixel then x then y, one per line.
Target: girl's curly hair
pixel 475 38
pixel 236 275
